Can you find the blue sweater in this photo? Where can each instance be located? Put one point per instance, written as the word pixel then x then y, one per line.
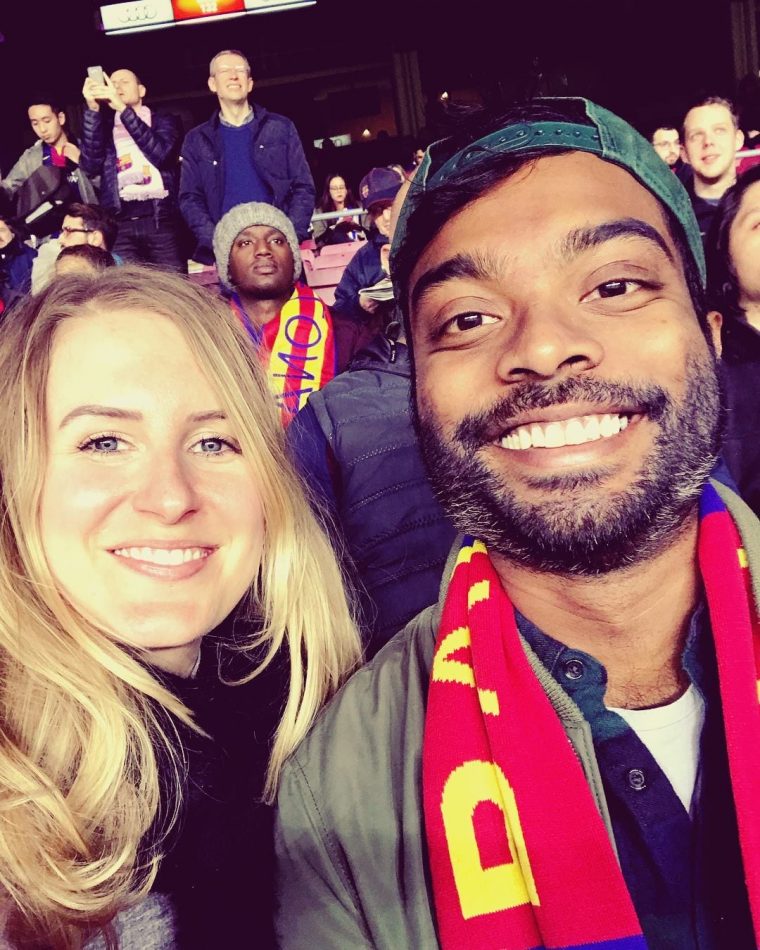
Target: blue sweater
pixel 242 182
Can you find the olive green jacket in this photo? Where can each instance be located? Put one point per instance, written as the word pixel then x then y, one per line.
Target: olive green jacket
pixel 352 862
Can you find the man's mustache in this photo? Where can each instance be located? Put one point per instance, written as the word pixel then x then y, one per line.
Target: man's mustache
pixel 480 428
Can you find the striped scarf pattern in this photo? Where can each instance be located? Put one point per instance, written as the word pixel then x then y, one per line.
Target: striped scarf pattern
pixel 297 348
pixel 519 854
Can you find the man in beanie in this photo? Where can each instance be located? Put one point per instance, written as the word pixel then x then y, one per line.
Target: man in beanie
pixel 377 190
pixel 562 751
pixel 259 265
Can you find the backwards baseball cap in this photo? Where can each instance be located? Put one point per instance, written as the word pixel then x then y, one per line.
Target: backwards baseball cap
pixel 605 135
pixel 379 184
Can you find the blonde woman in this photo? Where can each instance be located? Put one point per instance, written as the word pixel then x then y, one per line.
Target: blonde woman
pixel 171 619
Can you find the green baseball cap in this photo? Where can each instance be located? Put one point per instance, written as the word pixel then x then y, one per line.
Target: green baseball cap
pixel 605 135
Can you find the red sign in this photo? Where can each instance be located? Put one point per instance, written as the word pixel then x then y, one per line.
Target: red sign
pixel 189 9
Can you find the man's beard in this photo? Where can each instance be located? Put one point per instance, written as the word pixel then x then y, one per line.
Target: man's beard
pixel 580 528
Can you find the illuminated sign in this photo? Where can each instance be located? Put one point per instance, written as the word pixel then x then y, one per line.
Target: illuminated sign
pixel 136 15
pixel 189 9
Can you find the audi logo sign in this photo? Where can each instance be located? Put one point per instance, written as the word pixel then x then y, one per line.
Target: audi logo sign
pixel 137 15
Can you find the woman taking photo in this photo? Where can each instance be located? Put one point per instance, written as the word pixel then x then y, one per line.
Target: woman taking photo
pixel 171 619
pixel 336 197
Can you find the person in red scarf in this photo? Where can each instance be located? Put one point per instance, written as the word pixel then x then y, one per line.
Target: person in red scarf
pixel 259 265
pixel 561 753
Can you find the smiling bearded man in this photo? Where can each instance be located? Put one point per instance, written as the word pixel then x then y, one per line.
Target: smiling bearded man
pixel 562 752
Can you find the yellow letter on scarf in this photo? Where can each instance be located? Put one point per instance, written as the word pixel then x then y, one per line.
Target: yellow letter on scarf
pixel 484 890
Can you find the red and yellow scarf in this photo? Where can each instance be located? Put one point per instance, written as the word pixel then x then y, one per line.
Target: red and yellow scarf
pixel 517 864
pixel 297 348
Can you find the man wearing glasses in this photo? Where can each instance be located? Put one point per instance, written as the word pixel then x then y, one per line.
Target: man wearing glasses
pixel 83 224
pixel 242 153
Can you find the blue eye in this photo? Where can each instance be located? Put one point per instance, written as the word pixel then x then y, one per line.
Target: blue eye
pixel 102 445
pixel 215 445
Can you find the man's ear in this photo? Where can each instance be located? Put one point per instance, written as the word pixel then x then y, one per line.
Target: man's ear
pixel 62 118
pixel 212 84
pixel 714 323
pixel 250 83
pixel 96 239
pixel 739 139
pixel 142 92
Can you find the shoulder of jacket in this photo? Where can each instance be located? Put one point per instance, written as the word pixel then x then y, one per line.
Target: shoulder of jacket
pixel 381 685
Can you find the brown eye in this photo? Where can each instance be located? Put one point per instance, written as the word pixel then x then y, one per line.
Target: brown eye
pixel 614 288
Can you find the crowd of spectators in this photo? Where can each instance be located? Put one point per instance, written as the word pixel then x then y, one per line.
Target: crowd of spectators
pixel 368 479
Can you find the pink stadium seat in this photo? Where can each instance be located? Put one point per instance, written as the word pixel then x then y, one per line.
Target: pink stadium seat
pixel 324 271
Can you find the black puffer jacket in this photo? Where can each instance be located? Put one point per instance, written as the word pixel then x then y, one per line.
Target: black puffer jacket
pixel 159 142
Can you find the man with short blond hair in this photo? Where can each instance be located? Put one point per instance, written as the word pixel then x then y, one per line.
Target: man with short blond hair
pixel 711 139
pixel 242 153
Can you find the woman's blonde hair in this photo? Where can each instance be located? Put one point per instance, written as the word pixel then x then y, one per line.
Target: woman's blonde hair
pixel 83 722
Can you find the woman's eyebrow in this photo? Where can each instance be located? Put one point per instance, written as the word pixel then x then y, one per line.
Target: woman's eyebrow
pixel 112 412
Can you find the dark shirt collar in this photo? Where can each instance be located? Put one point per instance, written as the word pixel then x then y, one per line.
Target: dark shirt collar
pixel 578 672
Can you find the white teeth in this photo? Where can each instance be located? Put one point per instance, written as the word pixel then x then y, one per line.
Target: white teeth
pixel 554 435
pixel 166 557
pixel 592 429
pixel 575 431
pixel 537 436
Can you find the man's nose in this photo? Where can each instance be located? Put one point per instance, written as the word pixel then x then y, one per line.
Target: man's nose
pixel 547 343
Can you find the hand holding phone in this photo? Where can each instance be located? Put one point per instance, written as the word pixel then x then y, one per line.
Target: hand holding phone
pixel 94 89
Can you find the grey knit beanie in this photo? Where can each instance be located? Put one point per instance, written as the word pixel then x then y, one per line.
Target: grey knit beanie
pixel 245 216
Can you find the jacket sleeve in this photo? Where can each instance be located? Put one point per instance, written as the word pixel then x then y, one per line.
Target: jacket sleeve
pixel 93 143
pixel 315 907
pixel 192 198
pixel 158 142
pixel 19 173
pixel 303 194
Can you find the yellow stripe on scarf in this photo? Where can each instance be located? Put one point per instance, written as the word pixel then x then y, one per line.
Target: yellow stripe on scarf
pixel 286 362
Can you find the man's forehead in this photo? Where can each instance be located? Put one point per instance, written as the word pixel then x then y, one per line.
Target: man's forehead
pixel 40 110
pixel 665 133
pixel 71 222
pixel 578 180
pixel 123 74
pixel 229 60
pixel 711 114
pixel 552 199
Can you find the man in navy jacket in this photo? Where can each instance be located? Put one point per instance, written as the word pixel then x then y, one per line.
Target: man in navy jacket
pixel 135 151
pixel 242 153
